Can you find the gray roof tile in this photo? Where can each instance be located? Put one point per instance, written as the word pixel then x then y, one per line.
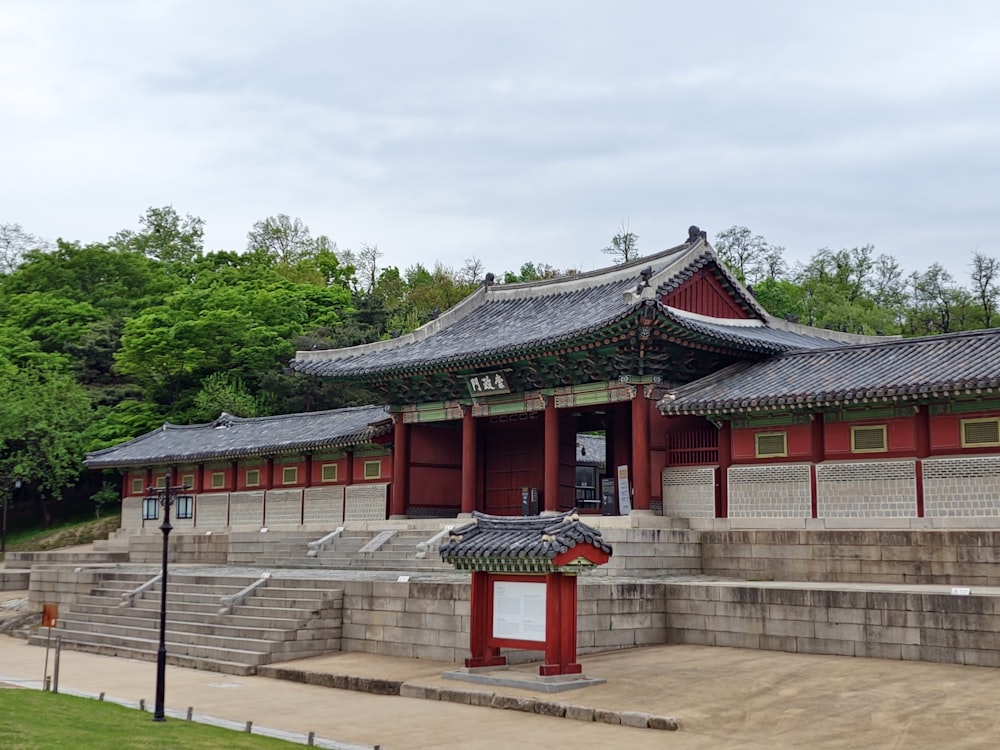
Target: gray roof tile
pixel 507 318
pixel 899 369
pixel 508 537
pixel 231 437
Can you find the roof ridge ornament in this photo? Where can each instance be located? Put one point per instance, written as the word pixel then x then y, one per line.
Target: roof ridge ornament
pixel 695 234
pixel 225 420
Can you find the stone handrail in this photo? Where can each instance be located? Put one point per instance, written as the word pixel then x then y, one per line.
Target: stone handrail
pixel 424 547
pixel 317 546
pixel 129 596
pixel 228 602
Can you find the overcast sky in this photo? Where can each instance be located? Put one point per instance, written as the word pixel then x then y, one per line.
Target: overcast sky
pixel 510 131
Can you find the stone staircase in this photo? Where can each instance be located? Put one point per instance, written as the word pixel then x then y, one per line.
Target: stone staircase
pixel 391 549
pixel 281 619
pixel 353 549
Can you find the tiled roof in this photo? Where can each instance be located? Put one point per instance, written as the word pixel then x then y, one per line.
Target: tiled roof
pixel 590 450
pixel 501 319
pixel 895 370
pixel 509 537
pixel 231 437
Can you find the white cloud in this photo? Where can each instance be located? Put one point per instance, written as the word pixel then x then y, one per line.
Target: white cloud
pixel 512 132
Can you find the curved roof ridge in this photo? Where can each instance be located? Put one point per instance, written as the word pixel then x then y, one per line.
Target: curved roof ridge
pixel 602 277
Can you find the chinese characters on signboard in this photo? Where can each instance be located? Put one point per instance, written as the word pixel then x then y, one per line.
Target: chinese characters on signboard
pixel 488 384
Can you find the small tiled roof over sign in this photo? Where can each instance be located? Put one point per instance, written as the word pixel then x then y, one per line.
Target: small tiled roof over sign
pixel 901 370
pixel 530 544
pixel 230 437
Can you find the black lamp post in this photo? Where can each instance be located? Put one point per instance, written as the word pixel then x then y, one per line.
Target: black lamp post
pixel 7 500
pixel 165 496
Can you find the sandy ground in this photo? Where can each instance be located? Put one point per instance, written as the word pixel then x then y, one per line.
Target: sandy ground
pixel 723 698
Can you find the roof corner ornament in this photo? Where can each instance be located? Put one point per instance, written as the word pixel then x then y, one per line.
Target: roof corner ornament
pixel 644 276
pixel 695 234
pixel 489 281
pixel 225 420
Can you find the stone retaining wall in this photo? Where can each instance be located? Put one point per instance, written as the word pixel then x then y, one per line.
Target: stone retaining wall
pixel 61 586
pixel 963 558
pixel 431 620
pixel 202 549
pixel 882 624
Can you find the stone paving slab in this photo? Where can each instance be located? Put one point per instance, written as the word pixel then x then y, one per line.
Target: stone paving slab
pixel 722 699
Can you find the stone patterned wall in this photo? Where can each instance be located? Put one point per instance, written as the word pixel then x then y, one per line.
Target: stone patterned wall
pixel 283 508
pixel 961 487
pixel 211 510
pixel 324 506
pixel 689 491
pixel 773 491
pixel 366 502
pixel 246 509
pixel 871 489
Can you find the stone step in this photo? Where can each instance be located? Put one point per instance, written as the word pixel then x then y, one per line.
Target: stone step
pixel 150 629
pixel 196 618
pixel 101 621
pixel 305 604
pixel 277 612
pixel 220 653
pixel 178 660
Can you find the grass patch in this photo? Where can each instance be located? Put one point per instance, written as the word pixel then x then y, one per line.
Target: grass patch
pixel 30 719
pixel 68 534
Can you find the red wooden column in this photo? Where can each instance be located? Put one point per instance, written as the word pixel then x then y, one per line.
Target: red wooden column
pixel 560 626
pixel 480 626
pixel 400 461
pixel 468 461
pixel 922 428
pixel 640 452
pixel 818 436
pixel 551 488
pixel 725 461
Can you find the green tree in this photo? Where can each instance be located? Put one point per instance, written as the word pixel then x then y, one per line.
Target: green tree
pixel 852 290
pixel 986 286
pixel 624 246
pixel 747 254
pixel 226 392
pixel 939 303
pixel 165 236
pixel 15 243
pixel 284 241
pixel 44 420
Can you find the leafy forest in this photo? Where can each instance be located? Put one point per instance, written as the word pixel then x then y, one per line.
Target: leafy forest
pixel 102 342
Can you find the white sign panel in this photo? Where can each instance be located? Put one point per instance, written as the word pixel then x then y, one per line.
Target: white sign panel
pixel 519 610
pixel 624 491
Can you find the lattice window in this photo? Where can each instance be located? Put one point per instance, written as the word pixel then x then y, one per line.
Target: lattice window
pixel 218 480
pixel 980 432
pixel 253 477
pixel 770 444
pixel 868 439
pixel 137 488
pixel 187 480
pixel 184 506
pixel 373 469
pixel 329 473
pixel 693 447
pixel 290 475
pixel 150 508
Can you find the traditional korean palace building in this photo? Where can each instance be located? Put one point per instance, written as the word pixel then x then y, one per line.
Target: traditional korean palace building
pixel 704 406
